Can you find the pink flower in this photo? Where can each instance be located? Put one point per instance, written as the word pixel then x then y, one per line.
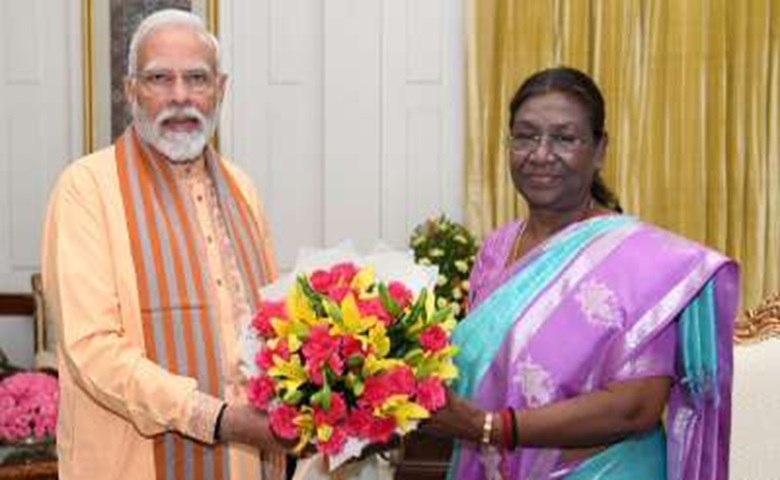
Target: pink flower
pixel 321 281
pixel 332 416
pixel 433 338
pixel 376 390
pixel 373 306
pixel 343 273
pixel 401 381
pixel 402 295
pixel 267 311
pixel 335 443
pixel 28 406
pixel 381 429
pixel 431 394
pixel 265 356
pixel 338 292
pixel 361 422
pixel 282 419
pixel 320 345
pixel 261 391
pixel 351 346
pixel 322 349
pixel 358 423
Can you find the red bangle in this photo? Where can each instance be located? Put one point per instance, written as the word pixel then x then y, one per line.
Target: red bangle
pixel 506 420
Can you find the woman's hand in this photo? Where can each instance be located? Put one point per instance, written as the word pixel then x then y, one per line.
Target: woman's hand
pixel 457 419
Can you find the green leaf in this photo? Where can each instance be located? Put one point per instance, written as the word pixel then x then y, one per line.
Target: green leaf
pixel 388 302
pixel 293 397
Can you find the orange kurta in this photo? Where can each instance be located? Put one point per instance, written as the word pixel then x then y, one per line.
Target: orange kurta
pixel 114 400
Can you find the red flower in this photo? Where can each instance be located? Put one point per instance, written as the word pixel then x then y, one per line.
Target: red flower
pixel 361 422
pixel 433 338
pixel 358 422
pixel 321 281
pixel 338 292
pixel 320 345
pixel 402 295
pixel 261 391
pixel 381 429
pixel 322 349
pixel 282 419
pixel 401 381
pixel 265 356
pixel 376 390
pixel 343 273
pixel 352 346
pixel 332 416
pixel 267 311
pixel 373 306
pixel 335 443
pixel 431 394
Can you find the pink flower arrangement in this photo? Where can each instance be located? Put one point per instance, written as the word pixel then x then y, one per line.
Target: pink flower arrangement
pixel 28 406
pixel 345 356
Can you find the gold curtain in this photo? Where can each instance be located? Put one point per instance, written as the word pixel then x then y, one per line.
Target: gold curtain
pixel 693 111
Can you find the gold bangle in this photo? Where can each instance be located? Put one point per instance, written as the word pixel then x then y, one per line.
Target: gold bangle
pixel 487 428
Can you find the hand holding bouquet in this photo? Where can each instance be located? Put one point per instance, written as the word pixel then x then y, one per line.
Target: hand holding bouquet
pixel 349 359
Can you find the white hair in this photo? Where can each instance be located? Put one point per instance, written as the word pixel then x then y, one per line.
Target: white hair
pixel 166 18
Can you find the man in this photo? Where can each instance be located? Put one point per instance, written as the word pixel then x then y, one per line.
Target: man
pixel 154 251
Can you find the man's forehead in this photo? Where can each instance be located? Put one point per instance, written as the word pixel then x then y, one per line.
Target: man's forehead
pixel 165 63
pixel 176 46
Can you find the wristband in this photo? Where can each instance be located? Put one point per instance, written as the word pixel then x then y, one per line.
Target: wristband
pixel 487 428
pixel 218 422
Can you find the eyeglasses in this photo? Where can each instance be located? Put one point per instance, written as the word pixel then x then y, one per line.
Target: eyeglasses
pixel 559 143
pixel 163 81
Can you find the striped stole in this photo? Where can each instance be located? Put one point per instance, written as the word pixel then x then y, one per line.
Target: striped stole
pixel 180 325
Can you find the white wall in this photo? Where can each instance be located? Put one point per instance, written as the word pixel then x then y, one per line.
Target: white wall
pixel 347 114
pixel 36 113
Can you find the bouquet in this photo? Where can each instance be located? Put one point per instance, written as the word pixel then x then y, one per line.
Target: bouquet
pixel 349 360
pixel 450 247
pixel 28 407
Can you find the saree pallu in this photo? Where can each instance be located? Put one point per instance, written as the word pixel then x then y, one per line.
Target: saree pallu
pixel 606 299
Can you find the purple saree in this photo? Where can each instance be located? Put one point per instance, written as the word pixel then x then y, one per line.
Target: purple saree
pixel 605 300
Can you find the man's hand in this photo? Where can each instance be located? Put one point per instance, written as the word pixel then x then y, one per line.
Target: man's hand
pixel 245 424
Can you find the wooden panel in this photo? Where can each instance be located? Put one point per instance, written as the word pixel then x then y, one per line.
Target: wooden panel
pixel 425 458
pixel 16 304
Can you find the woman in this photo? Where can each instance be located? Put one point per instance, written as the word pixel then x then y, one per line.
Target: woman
pixel 585 324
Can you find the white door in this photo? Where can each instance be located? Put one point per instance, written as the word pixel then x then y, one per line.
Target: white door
pixel 39 123
pixel 348 114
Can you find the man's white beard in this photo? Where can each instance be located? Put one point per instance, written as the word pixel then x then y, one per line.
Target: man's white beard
pixel 177 146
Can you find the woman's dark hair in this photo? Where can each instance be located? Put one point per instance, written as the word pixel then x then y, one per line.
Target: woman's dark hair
pixel 579 85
